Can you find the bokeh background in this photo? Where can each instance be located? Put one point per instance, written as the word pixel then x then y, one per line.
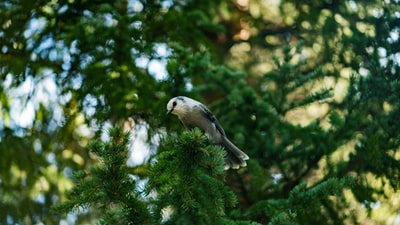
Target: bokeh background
pixel 308 89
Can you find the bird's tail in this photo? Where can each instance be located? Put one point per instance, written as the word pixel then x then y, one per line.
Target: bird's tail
pixel 235 158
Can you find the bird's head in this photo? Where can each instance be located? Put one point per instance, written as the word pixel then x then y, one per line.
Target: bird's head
pixel 181 105
pixel 177 105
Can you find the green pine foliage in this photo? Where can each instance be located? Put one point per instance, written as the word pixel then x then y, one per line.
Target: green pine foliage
pixel 308 89
pixel 187 181
pixel 107 186
pixel 185 186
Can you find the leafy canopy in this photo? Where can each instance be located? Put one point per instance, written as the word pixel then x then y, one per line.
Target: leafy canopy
pixel 309 90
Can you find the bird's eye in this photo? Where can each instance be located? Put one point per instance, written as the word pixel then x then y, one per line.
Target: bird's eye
pixel 174 104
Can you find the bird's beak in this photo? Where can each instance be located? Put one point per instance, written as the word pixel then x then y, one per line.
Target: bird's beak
pixel 170 111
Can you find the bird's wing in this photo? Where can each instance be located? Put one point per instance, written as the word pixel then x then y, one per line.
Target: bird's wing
pixel 208 114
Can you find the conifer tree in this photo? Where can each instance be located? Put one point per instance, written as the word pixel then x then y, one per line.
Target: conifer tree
pixel 107 187
pixel 308 89
pixel 188 180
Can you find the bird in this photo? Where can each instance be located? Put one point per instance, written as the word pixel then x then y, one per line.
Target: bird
pixel 194 114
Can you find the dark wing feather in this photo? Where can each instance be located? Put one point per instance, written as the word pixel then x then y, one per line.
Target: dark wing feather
pixel 208 114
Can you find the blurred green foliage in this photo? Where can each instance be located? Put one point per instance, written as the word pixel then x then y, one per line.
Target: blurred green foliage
pixel 308 89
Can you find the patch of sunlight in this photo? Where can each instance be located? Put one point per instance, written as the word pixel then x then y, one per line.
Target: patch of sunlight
pixel 303 116
pixel 342 154
pixel 272 40
pixel 78 159
pixel 140 148
pixel 340 87
pixel 67 153
pixel 18 175
pixel 41 185
pixel 291 13
pixel 269 10
pixel 384 209
pixel 366 28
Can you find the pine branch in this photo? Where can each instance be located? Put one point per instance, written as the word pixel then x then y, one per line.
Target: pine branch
pixel 107 186
pixel 302 202
pixel 187 182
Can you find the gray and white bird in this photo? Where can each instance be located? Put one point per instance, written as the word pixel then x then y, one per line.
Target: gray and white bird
pixel 194 114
